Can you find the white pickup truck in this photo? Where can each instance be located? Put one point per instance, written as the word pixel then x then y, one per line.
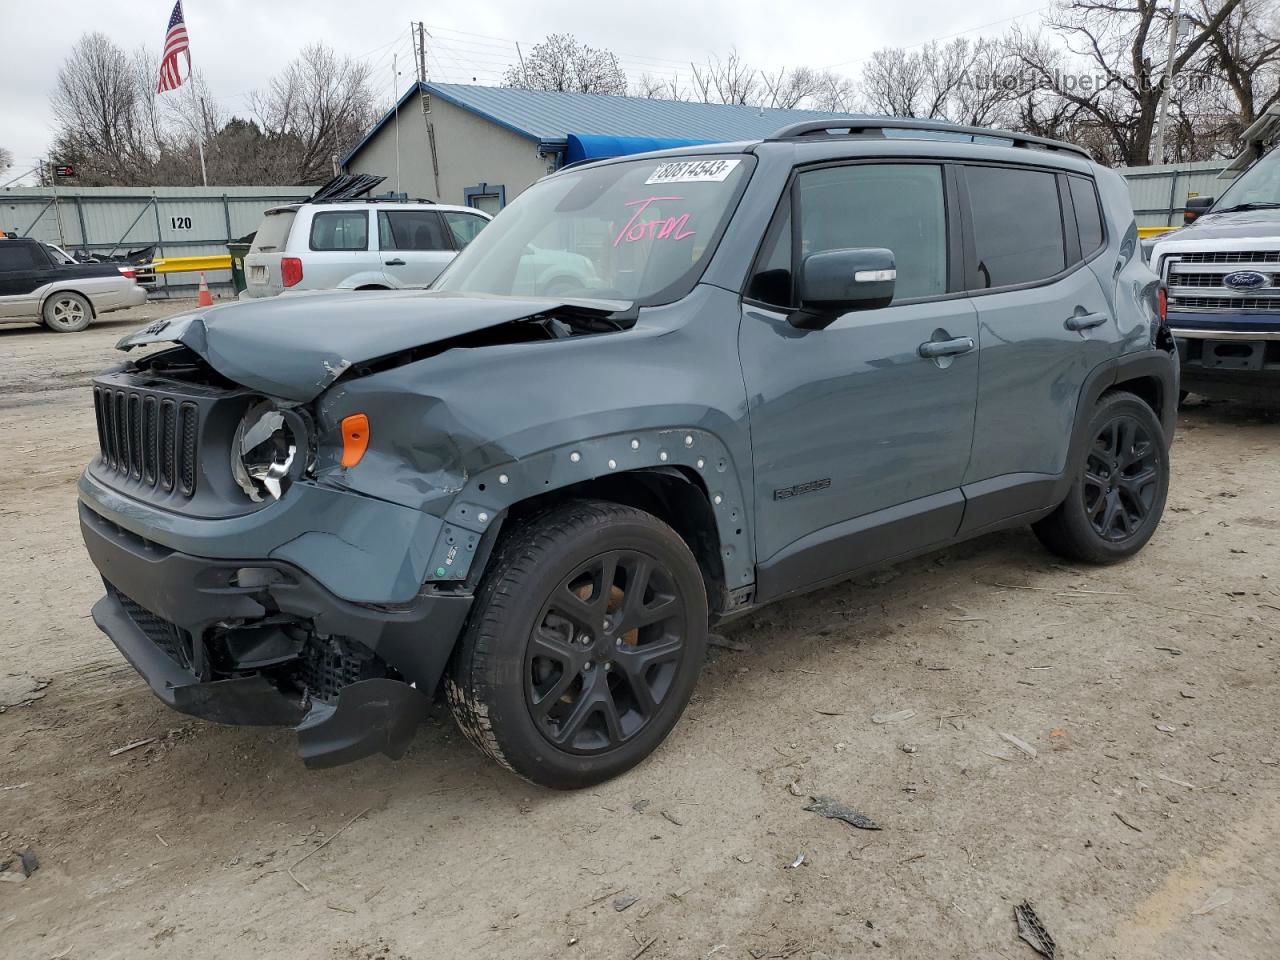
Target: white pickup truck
pixel 1223 278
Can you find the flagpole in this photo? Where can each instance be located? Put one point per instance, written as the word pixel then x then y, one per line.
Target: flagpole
pixel 204 173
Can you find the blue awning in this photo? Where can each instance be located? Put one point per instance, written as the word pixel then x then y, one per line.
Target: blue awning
pixel 587 146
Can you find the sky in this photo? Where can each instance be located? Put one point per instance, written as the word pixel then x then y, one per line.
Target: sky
pixel 239 44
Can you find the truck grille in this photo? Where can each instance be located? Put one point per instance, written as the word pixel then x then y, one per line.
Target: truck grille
pixel 1230 256
pixel 174 641
pixel 1241 304
pixel 148 437
pixel 1212 280
pixel 1196 281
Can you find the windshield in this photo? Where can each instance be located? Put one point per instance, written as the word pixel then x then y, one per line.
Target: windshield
pixel 641 230
pixel 1259 184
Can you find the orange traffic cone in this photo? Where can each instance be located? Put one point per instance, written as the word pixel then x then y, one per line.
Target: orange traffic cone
pixel 205 299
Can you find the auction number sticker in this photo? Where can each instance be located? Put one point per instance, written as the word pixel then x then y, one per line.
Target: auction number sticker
pixel 693 171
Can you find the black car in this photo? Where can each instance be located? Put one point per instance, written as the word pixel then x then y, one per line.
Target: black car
pixel 41 284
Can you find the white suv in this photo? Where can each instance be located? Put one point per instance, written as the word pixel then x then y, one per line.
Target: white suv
pixel 356 245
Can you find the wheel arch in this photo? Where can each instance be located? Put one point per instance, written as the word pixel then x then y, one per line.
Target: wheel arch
pixel 50 294
pixel 675 495
pixel 362 278
pixel 684 476
pixel 1152 375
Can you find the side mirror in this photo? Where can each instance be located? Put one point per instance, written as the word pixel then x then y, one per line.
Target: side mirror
pixel 837 281
pixel 1195 207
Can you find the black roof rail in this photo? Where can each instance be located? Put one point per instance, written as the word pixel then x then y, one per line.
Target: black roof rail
pixel 856 127
pixel 395 198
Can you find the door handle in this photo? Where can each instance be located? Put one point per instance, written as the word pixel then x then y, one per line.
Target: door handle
pixel 933 349
pixel 395 263
pixel 1085 321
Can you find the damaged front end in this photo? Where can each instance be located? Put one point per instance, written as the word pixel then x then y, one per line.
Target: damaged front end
pixel 263 643
pixel 253 576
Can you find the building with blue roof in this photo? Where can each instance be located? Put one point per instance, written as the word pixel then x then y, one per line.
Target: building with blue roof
pixel 481 146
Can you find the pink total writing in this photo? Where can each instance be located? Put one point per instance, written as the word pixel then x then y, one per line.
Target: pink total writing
pixel 659 228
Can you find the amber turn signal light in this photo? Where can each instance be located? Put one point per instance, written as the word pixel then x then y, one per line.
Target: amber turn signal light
pixel 355 438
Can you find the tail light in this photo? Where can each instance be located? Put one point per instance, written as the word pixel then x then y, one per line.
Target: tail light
pixel 128 272
pixel 1162 303
pixel 290 271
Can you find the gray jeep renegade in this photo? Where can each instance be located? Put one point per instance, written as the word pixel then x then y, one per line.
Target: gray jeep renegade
pixel 790 361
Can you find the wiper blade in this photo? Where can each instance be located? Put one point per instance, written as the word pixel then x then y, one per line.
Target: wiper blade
pixel 1255 205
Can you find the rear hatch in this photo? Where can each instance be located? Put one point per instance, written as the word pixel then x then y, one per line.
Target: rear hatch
pixel 262 263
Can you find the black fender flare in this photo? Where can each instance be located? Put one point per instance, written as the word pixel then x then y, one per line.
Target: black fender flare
pixel 1152 363
pixel 473 518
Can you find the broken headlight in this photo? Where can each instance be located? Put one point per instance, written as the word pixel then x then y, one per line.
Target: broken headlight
pixel 269 450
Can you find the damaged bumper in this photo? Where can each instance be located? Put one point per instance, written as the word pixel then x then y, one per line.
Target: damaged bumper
pixel 262 642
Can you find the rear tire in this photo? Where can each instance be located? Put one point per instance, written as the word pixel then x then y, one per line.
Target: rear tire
pixel 584 645
pixel 1117 497
pixel 66 313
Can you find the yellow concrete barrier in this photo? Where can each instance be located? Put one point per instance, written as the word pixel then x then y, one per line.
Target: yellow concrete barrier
pixel 1145 232
pixel 218 261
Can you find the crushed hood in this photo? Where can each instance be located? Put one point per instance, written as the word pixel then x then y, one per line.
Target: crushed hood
pixel 295 346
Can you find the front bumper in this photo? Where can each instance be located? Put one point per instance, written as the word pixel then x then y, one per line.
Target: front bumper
pixel 1228 355
pixel 215 642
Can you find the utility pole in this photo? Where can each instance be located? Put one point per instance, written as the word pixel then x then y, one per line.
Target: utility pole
pixel 421 51
pixel 1157 154
pixel 395 98
pixel 524 72
pixel 57 211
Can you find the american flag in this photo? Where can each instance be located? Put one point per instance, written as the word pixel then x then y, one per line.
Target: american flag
pixel 175 42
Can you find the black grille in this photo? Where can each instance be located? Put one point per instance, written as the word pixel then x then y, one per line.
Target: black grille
pixel 148 438
pixel 1230 256
pixel 1208 280
pixel 174 641
pixel 1241 304
pixel 326 670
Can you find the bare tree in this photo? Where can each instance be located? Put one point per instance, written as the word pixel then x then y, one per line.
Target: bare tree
pixel 1123 43
pixel 962 81
pixel 653 87
pixel 835 94
pixel 730 80
pixel 318 106
pixel 1245 52
pixel 561 63
pixel 895 82
pixel 98 105
pixel 6 159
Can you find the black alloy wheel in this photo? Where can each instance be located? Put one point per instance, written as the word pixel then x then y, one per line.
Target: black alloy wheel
pixel 604 651
pixel 583 646
pixel 1121 478
pixel 1118 486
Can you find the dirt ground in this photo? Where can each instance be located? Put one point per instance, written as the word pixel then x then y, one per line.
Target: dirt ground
pixel 1147 825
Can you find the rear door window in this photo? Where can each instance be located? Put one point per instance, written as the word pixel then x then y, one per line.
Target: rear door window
pixel 463 226
pixel 412 230
pixel 21 256
pixel 1017 226
pixel 1084 197
pixel 340 230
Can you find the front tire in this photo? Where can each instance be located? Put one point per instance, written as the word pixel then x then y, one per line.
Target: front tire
pixel 1118 495
pixel 66 313
pixel 584 645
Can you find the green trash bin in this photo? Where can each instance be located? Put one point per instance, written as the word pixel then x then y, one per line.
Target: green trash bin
pixel 238 250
